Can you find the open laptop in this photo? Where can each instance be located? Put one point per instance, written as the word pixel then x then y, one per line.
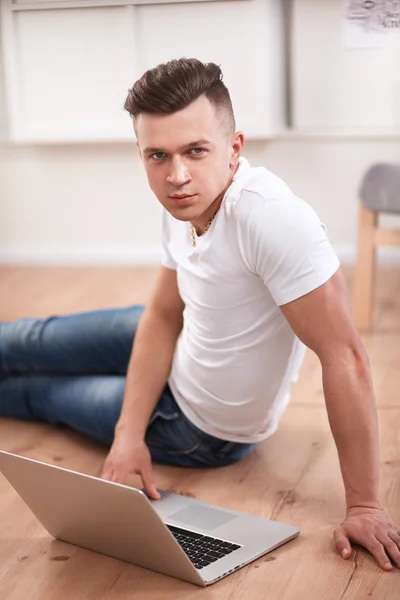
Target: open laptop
pixel 178 536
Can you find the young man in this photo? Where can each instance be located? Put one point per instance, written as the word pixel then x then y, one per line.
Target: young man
pixel 248 280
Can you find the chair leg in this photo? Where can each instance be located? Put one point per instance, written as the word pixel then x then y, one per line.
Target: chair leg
pixel 365 269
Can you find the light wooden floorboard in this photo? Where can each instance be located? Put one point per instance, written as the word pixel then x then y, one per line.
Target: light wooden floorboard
pixel 293 476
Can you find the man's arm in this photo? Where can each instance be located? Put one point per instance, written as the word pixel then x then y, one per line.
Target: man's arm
pixel 322 320
pixel 148 371
pixel 153 350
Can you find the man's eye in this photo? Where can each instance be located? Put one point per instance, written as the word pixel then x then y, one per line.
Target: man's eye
pixel 197 151
pixel 158 155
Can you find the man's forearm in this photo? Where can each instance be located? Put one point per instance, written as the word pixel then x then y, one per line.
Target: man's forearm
pixel 148 370
pixel 352 415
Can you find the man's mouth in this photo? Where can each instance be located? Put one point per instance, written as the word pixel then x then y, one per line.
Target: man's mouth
pixel 182 199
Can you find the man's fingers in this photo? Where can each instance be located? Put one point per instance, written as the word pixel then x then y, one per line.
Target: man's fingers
pixel 342 542
pixel 392 549
pixel 107 472
pixel 118 466
pixel 378 551
pixel 119 475
pixel 395 536
pixel 148 481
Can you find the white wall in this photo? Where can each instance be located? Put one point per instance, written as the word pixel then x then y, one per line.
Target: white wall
pixel 91 203
pixel 336 86
pixel 75 202
pixel 67 68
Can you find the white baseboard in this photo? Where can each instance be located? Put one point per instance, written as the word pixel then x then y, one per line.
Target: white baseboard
pixel 131 254
pixel 80 254
pixel 385 256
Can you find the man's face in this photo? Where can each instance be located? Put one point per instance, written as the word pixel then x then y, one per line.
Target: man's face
pixel 189 157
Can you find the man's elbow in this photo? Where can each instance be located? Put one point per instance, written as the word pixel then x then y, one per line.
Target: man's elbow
pixel 351 357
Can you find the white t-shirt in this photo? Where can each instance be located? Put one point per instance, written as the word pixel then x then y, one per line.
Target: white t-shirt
pixel 237 356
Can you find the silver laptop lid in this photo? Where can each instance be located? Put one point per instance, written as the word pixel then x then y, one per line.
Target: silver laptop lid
pixel 109 518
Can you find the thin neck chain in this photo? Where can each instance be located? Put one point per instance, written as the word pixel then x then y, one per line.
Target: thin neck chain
pixel 206 228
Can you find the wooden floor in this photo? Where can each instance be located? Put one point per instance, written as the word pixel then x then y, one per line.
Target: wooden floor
pixel 292 477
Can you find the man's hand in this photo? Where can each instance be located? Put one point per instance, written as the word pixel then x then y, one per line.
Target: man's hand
pixel 373 529
pixel 127 457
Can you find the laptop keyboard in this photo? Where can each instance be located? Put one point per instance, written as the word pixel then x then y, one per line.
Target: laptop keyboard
pixel 202 550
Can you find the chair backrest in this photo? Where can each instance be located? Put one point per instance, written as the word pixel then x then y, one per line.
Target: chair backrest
pixel 380 188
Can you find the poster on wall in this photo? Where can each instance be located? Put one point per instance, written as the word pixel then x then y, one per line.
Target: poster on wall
pixel 372 23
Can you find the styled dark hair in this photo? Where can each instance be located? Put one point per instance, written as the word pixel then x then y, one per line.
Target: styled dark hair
pixel 172 86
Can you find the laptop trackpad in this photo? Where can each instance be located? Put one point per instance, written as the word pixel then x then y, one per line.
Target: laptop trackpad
pixel 202 517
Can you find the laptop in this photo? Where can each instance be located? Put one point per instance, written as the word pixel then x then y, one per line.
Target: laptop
pixel 181 537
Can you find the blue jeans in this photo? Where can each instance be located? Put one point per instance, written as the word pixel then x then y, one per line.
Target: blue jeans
pixel 71 371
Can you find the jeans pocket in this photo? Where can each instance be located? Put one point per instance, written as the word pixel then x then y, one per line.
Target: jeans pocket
pixel 169 432
pixel 166 409
pixel 163 414
pixel 172 438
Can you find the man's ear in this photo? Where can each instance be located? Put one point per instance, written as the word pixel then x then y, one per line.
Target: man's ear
pixel 237 145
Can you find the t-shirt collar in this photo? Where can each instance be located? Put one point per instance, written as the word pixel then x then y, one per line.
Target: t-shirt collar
pixel 244 165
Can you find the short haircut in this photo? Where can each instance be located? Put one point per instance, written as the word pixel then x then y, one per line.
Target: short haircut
pixel 174 85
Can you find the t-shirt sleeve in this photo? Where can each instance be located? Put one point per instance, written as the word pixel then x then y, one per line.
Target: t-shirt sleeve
pixel 166 257
pixel 289 248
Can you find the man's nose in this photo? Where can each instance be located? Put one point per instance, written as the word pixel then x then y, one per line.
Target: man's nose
pixel 179 174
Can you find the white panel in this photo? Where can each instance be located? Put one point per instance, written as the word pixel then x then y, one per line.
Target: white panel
pixel 68 70
pixel 74 69
pixel 40 4
pixel 334 87
pixel 22 2
pixel 244 37
pixel 35 1
pixel 3 110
